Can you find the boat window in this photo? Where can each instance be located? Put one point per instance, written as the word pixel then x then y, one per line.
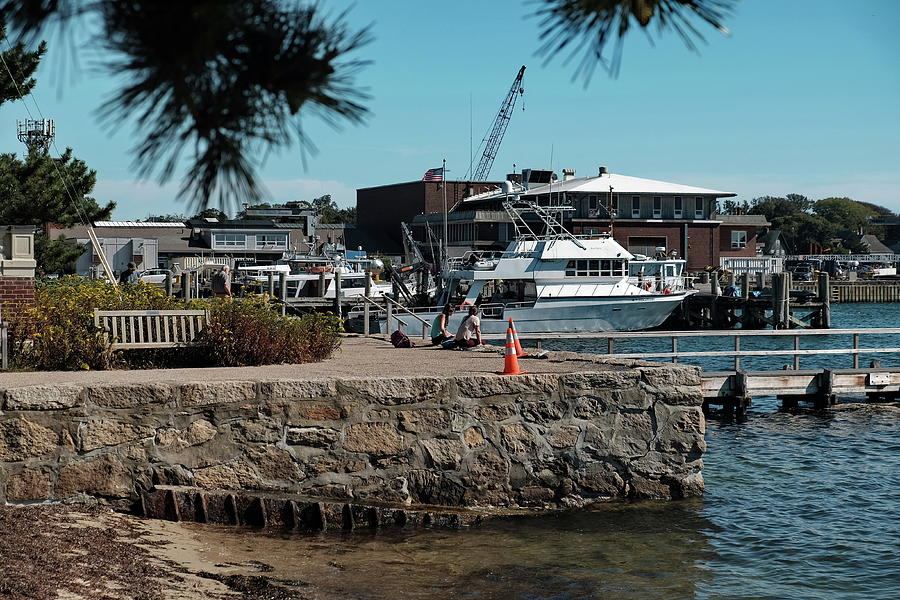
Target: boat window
pixel 596 268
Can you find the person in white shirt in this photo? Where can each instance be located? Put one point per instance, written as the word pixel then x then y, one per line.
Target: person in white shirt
pixel 469 332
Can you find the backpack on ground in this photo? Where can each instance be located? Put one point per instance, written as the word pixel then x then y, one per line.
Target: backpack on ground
pixel 401 340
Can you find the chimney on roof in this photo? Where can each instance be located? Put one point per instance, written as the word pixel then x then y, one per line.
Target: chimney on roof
pixel 568 174
pixel 603 171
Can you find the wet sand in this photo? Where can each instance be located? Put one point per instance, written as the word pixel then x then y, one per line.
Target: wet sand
pixel 82 553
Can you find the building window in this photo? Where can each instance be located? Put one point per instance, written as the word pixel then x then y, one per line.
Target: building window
pixel 592 202
pixel 657 207
pixel 614 205
pixel 738 239
pixel 271 240
pixel 595 268
pixel 698 207
pixel 678 208
pixel 229 240
pixel 635 207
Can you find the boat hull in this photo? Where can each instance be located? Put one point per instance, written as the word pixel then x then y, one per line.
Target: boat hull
pixel 570 315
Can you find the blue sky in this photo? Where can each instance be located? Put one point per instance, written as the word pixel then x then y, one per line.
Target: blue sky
pixel 801 97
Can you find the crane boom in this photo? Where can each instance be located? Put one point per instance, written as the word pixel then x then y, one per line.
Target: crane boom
pixel 499 129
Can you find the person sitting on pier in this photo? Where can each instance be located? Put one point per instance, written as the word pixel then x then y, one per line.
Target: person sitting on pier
pixel 471 326
pixel 439 333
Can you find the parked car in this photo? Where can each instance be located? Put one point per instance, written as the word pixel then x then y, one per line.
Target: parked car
pixel 157 276
pixel 803 273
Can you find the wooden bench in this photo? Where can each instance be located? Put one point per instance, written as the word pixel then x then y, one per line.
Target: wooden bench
pixel 131 329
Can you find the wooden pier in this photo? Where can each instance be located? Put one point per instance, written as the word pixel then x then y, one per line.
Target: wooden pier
pixel 734 389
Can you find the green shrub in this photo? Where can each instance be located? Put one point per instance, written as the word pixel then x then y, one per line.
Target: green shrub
pixel 59 332
pixel 249 332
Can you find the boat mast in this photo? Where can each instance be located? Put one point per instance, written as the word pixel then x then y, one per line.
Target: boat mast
pixel 446 260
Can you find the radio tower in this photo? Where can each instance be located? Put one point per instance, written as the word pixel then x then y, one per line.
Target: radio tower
pixel 36 134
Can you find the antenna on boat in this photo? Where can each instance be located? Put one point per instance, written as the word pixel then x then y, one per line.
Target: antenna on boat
pixel 554 229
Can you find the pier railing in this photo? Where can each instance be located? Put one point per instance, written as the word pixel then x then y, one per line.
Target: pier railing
pixel 852 349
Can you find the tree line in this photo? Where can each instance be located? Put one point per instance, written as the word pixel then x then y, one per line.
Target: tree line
pixel 807 226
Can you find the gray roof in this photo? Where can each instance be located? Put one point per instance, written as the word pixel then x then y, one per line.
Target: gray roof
pixel 748 220
pixel 874 245
pixel 170 239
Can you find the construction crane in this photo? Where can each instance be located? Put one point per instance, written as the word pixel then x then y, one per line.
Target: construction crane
pixel 492 146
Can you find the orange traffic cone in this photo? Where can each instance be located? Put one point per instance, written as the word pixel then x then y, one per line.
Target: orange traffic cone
pixel 519 352
pixel 510 361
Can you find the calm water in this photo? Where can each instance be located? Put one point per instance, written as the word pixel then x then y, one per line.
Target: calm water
pixel 797 506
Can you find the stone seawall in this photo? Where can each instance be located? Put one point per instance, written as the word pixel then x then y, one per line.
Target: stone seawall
pixel 621 430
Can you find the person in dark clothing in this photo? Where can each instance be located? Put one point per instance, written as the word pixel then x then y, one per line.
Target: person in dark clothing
pixel 129 275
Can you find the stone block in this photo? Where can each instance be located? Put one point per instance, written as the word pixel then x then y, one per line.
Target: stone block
pixel 483 386
pixel 473 437
pixel 634 435
pixel 218 392
pixel 517 438
pixel 274 463
pixel 443 454
pixel 288 389
pixel 680 430
pixel 496 412
pixel 105 476
pixel 378 439
pixel 396 390
pixel 98 434
pixel 543 411
pixel 680 395
pixel 425 420
pixel 198 432
pixel 262 430
pixel 21 439
pixel 233 475
pixel 130 395
pixel 489 468
pixel 670 375
pixel 326 464
pixel 641 488
pixel 317 437
pixel 575 384
pixel 43 397
pixel 564 437
pixel 30 485
pixel 535 496
pixel 427 487
pixel 589 406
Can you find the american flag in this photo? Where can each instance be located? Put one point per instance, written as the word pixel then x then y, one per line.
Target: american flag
pixel 434 174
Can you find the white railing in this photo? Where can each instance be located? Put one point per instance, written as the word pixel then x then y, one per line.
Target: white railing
pixel 862 258
pixel 746 264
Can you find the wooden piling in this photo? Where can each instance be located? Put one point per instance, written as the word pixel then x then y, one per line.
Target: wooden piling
pixel 271 284
pixel 824 320
pixel 322 284
pixel 337 293
pixel 745 286
pixel 169 283
pixel 282 291
pixel 186 285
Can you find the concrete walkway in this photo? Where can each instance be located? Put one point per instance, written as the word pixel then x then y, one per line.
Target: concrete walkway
pixel 358 357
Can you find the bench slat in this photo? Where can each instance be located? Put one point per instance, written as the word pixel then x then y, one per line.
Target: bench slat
pixel 127 329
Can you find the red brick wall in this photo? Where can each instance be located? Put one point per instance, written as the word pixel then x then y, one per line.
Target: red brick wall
pixel 380 210
pixel 16 293
pixel 725 241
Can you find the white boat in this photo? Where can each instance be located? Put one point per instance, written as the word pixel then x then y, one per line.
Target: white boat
pixel 555 282
pixel 304 275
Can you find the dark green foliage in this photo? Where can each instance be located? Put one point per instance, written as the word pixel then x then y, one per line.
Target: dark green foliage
pixel 249 332
pixel 585 27
pixel 41 189
pixel 17 81
pixel 330 213
pixel 55 256
pixel 223 81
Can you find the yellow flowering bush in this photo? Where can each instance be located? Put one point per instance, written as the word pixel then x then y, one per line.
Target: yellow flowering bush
pixel 58 333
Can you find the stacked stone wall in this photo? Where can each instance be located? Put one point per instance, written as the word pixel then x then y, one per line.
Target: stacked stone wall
pixel 544 440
